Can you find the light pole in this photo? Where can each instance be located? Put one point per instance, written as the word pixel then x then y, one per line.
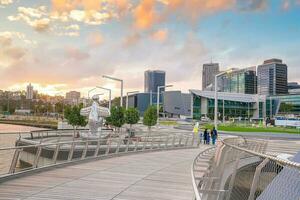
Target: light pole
pixel 91 90
pixel 150 97
pixel 158 88
pixel 109 95
pixel 216 98
pixel 120 80
pixel 133 92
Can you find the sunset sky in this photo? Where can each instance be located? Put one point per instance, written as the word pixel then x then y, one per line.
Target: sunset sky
pixel 64 45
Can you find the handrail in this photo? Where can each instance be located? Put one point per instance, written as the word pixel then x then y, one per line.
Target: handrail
pixel 270 157
pixel 229 153
pixel 78 150
pixel 195 185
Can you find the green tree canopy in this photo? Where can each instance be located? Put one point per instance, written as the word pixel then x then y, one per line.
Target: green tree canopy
pixel 150 116
pixel 117 117
pixel 72 114
pixel 132 116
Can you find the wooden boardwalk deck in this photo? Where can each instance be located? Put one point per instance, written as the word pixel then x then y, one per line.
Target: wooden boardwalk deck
pixel 158 175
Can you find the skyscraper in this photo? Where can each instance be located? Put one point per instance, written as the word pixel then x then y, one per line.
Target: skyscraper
pixel 153 79
pixel 272 77
pixel 29 91
pixel 210 70
pixel 242 81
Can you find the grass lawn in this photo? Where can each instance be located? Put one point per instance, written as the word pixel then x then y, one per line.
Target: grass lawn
pixel 244 128
pixel 168 123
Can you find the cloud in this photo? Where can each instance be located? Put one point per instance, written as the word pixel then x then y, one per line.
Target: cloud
pixel 5 2
pixel 90 17
pixel 144 14
pixel 160 35
pixel 34 17
pixel 76 54
pixel 9 53
pixel 285 5
pixel 132 39
pixel 252 5
pixel 95 39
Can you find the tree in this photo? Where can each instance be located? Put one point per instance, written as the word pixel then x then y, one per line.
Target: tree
pixel 72 114
pixel 132 116
pixel 117 117
pixel 150 117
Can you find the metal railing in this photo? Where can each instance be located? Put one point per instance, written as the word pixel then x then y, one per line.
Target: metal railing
pixel 26 156
pixel 239 169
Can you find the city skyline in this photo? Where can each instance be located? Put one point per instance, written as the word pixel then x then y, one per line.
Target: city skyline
pixel 60 46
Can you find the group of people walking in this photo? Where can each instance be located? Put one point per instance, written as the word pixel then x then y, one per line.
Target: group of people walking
pixel 207 135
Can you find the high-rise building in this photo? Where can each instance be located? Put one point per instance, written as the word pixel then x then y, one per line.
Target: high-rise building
pixel 236 80
pixel 29 91
pixel 73 97
pixel 272 78
pixel 210 70
pixel 153 79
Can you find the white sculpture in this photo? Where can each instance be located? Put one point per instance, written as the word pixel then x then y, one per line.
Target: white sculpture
pixel 95 114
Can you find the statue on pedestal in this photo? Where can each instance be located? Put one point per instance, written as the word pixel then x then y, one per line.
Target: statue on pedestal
pixel 95 114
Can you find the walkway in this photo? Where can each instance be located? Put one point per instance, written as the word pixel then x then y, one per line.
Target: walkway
pixel 158 175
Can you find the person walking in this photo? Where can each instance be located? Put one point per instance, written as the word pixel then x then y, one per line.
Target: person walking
pixel 214 135
pixel 208 137
pixel 205 136
pixel 196 130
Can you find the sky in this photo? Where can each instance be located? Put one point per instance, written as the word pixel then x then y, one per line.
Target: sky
pixel 64 45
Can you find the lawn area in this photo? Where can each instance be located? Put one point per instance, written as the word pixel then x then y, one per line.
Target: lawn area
pixel 244 128
pixel 168 123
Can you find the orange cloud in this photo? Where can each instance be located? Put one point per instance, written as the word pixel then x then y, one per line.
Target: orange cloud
pixel 193 9
pixel 95 39
pixel 144 14
pixel 160 35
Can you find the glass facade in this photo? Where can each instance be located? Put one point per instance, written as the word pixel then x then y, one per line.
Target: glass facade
pixel 239 81
pixel 286 104
pixel 232 109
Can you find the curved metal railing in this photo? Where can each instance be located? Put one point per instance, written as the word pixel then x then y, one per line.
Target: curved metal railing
pixel 231 161
pixel 27 156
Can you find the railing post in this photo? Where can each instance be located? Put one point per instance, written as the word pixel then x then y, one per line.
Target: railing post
pixel 232 179
pixel 70 156
pixel 15 161
pixel 256 178
pixel 108 146
pixel 127 145
pixel 97 148
pixel 37 157
pixel 145 143
pixel 179 142
pixel 54 159
pixel 85 150
pixel 159 141
pixel 173 141
pixel 136 145
pixel 167 141
pixel 118 145
pixel 152 141
pixel 186 141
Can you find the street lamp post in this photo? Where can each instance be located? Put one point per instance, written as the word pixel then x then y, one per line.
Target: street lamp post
pixel 216 99
pixel 133 92
pixel 120 80
pixel 91 90
pixel 158 89
pixel 109 95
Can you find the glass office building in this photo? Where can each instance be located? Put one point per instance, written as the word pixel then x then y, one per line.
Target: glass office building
pixel 242 81
pixel 272 78
pixel 153 79
pixel 230 105
pixel 283 105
